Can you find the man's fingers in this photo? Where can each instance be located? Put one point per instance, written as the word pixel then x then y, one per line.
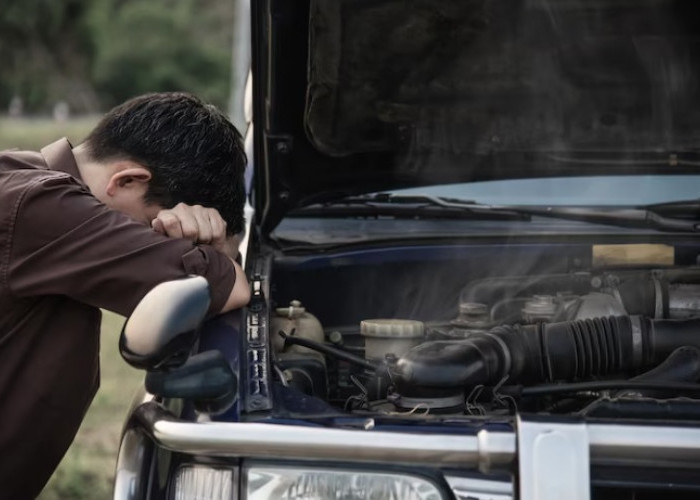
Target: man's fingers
pixel 188 221
pixel 193 222
pixel 218 225
pixel 206 232
pixel 170 224
pixel 157 226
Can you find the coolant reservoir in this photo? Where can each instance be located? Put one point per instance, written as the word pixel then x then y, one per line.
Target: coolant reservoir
pixel 294 317
pixel 395 336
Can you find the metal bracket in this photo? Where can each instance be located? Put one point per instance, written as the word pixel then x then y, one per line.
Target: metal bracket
pixel 553 460
pixel 256 386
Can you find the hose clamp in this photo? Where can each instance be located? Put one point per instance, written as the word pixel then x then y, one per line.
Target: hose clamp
pixel 504 350
pixel 636 323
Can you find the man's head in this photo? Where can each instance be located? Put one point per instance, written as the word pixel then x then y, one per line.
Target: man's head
pixel 164 149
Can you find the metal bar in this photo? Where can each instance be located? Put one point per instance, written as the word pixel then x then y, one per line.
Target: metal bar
pixel 255 440
pixel 644 444
pixel 608 443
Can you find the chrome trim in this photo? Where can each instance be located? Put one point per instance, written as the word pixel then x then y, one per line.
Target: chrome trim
pixel 256 440
pixel 644 444
pixel 606 443
pixel 470 488
pixel 496 448
pixel 129 483
pixel 553 460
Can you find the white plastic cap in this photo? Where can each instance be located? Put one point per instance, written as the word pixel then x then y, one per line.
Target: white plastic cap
pixel 392 328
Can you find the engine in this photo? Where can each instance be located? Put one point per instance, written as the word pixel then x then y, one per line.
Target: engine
pixel 548 343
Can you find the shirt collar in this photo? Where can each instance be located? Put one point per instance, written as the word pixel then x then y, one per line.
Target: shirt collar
pixel 59 156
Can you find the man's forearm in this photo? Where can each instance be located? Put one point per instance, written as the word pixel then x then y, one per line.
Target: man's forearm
pixel 240 293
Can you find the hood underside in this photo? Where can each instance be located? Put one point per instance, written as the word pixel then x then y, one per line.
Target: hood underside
pixel 443 77
pixel 388 94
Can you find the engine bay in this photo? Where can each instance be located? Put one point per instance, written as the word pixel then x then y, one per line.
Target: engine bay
pixel 596 340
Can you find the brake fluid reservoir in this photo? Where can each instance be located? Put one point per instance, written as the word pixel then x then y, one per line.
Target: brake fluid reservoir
pixel 294 317
pixel 395 336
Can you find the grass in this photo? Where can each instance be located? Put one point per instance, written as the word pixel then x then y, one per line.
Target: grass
pixel 87 470
pixel 34 133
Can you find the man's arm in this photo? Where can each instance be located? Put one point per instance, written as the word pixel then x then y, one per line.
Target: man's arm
pixel 203 225
pixel 240 294
pixel 65 242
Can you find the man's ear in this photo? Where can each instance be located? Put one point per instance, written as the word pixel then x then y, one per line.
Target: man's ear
pixel 132 176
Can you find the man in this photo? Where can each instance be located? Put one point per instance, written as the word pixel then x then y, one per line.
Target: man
pixel 98 226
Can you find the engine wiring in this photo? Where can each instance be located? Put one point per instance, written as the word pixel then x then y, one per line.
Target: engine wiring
pixel 600 385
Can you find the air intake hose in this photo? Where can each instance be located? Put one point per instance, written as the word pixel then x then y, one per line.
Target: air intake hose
pixel 542 353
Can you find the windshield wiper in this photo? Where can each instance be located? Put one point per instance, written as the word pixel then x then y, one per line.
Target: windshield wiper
pixel 640 218
pixel 681 209
pixel 408 206
pixel 661 217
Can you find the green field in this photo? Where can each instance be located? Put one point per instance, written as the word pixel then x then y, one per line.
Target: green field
pixel 34 133
pixel 87 470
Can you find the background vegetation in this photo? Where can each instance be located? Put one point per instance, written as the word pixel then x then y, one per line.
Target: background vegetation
pixel 93 54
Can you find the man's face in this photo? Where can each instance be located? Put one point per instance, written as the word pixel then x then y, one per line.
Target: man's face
pixel 137 208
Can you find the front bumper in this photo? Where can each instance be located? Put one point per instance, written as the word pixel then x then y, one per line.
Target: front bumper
pixel 552 459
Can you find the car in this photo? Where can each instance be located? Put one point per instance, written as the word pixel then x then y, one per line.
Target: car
pixel 474 259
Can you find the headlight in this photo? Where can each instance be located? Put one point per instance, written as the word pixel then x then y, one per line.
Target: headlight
pixel 266 483
pixel 204 483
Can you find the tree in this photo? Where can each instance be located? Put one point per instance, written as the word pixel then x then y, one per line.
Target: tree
pixel 46 48
pixel 160 46
pixel 96 53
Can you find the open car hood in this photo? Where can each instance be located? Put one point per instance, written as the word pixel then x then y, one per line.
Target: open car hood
pixel 354 97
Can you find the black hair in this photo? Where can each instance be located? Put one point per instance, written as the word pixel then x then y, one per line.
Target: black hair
pixel 194 153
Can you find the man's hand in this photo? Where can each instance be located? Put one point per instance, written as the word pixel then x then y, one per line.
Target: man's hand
pixel 205 226
pixel 196 223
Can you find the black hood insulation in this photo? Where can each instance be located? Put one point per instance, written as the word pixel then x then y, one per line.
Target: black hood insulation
pixel 441 79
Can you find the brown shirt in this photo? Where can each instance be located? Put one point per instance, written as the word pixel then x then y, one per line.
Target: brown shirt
pixel 64 255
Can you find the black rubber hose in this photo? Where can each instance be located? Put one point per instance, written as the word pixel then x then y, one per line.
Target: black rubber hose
pixel 638 295
pixel 682 365
pixel 678 373
pixel 667 335
pixel 535 354
pixel 443 368
pixel 330 351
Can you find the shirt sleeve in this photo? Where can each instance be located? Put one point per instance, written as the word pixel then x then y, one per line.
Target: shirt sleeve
pixel 65 242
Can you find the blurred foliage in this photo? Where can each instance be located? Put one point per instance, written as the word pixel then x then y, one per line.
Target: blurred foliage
pixel 46 48
pixel 93 54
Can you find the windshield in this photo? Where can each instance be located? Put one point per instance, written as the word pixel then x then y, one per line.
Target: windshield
pixel 632 190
